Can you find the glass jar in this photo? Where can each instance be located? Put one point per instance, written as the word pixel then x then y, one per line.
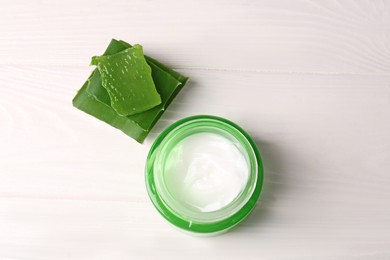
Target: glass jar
pixel 168 150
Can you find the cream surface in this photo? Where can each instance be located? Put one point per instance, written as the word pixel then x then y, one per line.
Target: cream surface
pixel 206 172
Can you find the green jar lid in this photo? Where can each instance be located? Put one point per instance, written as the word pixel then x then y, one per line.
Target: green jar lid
pixel 159 178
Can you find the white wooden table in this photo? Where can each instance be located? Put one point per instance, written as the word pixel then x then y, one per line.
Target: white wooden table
pixel 309 80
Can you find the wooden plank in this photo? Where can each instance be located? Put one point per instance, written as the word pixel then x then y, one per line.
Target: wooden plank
pixel 271 35
pixel 72 187
pixel 309 80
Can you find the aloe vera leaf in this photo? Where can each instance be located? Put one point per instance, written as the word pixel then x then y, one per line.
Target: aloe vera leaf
pixel 127 78
pixel 100 93
pixel 88 103
pixel 90 98
pixel 168 87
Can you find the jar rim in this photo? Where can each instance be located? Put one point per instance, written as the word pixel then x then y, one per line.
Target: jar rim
pixel 203 222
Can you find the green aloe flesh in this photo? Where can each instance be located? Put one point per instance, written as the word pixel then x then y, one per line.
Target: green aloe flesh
pixel 127 78
pixel 94 99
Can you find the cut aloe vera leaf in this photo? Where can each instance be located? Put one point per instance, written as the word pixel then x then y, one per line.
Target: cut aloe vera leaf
pixel 100 93
pixel 88 103
pixel 94 100
pixel 127 78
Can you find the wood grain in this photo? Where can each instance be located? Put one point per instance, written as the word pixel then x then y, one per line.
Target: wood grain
pixel 276 36
pixel 309 80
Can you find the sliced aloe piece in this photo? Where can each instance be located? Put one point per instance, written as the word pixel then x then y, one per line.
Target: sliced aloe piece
pixel 94 99
pixel 158 70
pixel 127 78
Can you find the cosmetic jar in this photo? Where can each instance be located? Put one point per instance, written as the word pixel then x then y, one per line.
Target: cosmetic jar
pixel 204 174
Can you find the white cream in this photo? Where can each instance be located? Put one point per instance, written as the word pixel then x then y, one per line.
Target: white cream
pixel 205 172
